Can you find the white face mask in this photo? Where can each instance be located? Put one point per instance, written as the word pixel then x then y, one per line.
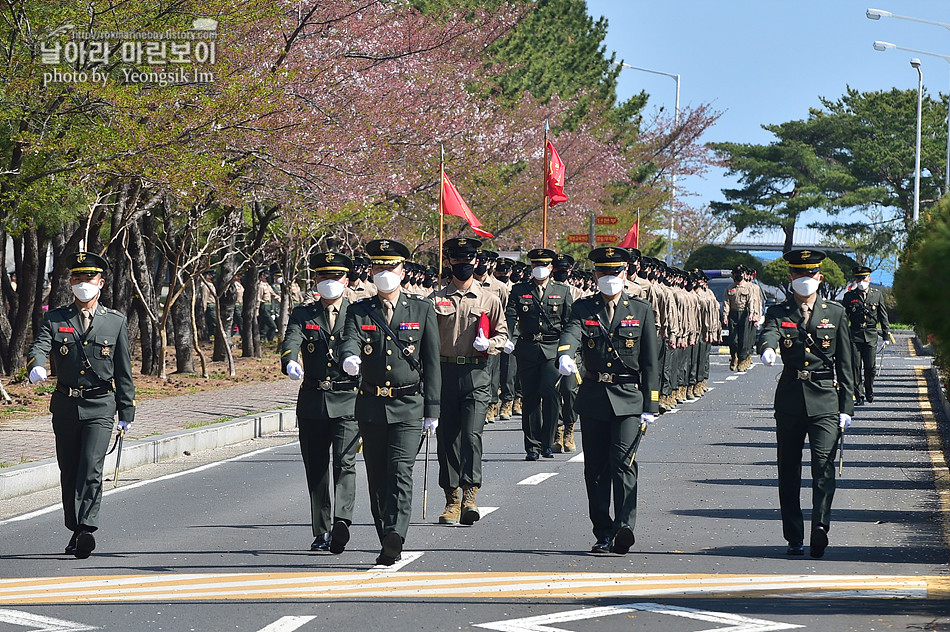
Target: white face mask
pixel 805 286
pixel 540 272
pixel 279 279
pixel 386 281
pixel 864 285
pixel 85 292
pixel 330 289
pixel 610 285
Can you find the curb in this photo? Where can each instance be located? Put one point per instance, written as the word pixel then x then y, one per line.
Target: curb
pixel 20 480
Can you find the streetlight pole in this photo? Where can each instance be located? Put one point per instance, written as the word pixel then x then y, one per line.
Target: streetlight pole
pixel 676 123
pixel 920 94
pixel 882 46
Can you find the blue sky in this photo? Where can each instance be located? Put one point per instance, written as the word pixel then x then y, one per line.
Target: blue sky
pixel 768 61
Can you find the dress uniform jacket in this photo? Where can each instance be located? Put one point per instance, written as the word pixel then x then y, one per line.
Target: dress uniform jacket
pixel 536 339
pixel 864 314
pixel 383 366
pixel 828 326
pixel 106 347
pixel 309 335
pixel 632 334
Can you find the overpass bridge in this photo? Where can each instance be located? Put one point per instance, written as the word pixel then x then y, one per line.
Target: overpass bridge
pixel 774 240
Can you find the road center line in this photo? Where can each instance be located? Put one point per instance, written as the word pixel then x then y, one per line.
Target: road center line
pixel 288 624
pixel 537 478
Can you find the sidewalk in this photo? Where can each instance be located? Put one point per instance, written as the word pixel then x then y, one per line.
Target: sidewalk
pixel 27 446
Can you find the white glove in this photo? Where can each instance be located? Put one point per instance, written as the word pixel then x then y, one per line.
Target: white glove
pixel 430 424
pixel 566 365
pixel 768 356
pixel 509 346
pixel 481 342
pixel 124 425
pixel 886 342
pixel 352 365
pixel 647 418
pixel 294 370
pixel 844 421
pixel 37 374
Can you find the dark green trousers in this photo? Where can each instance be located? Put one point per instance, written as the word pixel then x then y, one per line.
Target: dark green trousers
pixel 320 441
pixel 465 395
pixel 510 386
pixel 389 452
pixel 81 447
pixel 608 443
pixel 864 360
pixel 567 389
pixel 540 404
pixel 822 433
pixel 494 373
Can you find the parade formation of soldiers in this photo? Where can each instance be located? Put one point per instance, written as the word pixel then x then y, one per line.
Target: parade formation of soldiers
pixel 390 353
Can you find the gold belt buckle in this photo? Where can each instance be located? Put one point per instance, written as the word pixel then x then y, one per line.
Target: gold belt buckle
pixel 384 391
pixel 605 377
pixel 804 375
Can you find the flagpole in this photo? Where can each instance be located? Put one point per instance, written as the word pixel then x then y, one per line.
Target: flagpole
pixel 438 265
pixel 637 240
pixel 544 193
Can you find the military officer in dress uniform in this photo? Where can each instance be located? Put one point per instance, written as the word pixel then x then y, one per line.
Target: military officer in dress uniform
pixel 619 394
pixel 866 309
pixel 538 309
pixel 813 397
pixel 325 403
pixel 392 341
pixel 88 345
pixel 472 329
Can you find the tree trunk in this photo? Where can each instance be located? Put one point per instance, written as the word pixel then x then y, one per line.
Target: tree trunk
pixel 147 304
pixel 194 335
pixel 26 291
pixel 181 320
pixel 42 249
pixel 251 336
pixel 6 329
pixel 226 298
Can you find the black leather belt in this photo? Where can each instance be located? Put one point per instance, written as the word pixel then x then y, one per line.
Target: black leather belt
pixel 83 391
pixel 389 391
pixel 544 337
pixel 329 385
pixel 809 376
pixel 462 359
pixel 612 378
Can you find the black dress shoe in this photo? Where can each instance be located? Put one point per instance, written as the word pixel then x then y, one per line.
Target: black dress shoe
pixel 531 456
pixel 392 549
pixel 547 453
pixel 795 548
pixel 321 543
pixel 85 544
pixel 859 401
pixel 623 540
pixel 601 546
pixel 819 541
pixel 71 547
pixel 339 536
pixel 870 398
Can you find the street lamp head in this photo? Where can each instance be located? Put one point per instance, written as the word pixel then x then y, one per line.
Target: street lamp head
pixel 879 45
pixel 915 63
pixel 877 14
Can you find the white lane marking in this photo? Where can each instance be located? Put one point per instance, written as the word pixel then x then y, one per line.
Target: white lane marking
pixel 407 558
pixel 736 623
pixel 288 624
pixel 711 388
pixel 41 624
pixel 537 478
pixel 484 511
pixel 577 459
pixel 125 488
pixel 719 382
pixel 732 377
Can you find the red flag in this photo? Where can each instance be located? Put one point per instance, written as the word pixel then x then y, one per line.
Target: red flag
pixel 484 328
pixel 632 240
pixel 554 177
pixel 453 204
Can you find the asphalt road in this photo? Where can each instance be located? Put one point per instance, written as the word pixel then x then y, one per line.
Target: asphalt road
pixel 224 546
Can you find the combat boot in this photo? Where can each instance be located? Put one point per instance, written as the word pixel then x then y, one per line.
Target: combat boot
pixel 470 513
pixel 453 508
pixel 492 413
pixel 568 443
pixel 505 413
pixel 516 406
pixel 558 438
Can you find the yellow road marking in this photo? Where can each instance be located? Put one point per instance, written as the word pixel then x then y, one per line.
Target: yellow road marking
pixel 252 586
pixel 935 449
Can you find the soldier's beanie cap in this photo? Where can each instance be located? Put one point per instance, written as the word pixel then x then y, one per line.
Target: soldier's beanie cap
pixel 330 262
pixel 635 254
pixel 462 247
pixel 609 258
pixel 542 256
pixel 387 252
pixel 861 271
pixel 804 260
pixel 564 261
pixel 86 262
